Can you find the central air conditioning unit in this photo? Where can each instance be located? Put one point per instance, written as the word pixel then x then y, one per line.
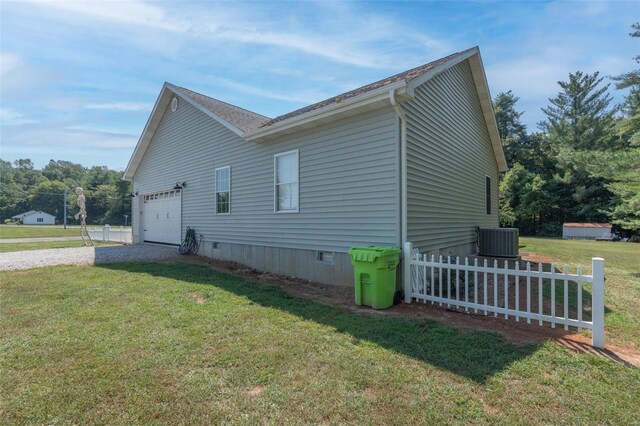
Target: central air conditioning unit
pixel 498 242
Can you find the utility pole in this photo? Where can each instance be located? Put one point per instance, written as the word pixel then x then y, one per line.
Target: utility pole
pixel 65 207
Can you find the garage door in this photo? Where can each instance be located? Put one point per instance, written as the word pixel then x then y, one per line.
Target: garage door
pixel 161 217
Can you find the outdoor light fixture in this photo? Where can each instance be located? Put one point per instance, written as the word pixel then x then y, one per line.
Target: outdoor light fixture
pixel 180 185
pixel 134 194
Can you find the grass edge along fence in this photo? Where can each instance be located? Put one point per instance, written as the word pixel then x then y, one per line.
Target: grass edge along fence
pixel 553 296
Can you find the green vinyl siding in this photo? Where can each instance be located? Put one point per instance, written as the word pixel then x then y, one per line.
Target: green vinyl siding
pixel 348 174
pixel 449 155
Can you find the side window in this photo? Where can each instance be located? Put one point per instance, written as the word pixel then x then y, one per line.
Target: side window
pixel 286 181
pixel 487 194
pixel 40 219
pixel 223 190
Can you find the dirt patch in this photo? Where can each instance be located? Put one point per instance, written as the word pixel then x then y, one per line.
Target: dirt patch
pixel 343 298
pixel 197 297
pixel 256 390
pixel 537 258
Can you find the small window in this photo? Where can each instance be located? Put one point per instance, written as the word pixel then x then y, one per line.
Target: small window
pixel 223 190
pixel 286 182
pixel 487 194
pixel 174 104
pixel 40 219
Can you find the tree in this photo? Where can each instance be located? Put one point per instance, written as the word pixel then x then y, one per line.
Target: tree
pixel 524 200
pixel 580 116
pixel 511 129
pixel 13 198
pixel 580 120
pixel 48 197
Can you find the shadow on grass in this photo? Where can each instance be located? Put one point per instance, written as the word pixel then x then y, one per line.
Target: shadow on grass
pixel 475 355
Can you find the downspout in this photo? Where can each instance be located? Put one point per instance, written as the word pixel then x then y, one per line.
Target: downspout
pixel 406 268
pixel 403 164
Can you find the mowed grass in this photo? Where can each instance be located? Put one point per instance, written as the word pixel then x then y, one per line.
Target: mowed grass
pixel 622 279
pixel 37 231
pixel 41 231
pixel 181 344
pixel 42 245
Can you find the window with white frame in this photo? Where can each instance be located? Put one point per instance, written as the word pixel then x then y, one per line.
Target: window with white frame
pixel 286 181
pixel 223 190
pixel 40 219
pixel 487 194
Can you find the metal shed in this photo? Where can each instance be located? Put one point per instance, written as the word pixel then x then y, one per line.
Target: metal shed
pixel 586 231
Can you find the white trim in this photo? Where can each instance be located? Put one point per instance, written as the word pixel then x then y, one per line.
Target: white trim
pixel 216 190
pixel 403 164
pixel 486 102
pixel 275 180
pixel 162 102
pixel 490 205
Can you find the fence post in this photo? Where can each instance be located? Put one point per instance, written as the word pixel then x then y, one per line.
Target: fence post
pixel 597 267
pixel 406 271
pixel 105 233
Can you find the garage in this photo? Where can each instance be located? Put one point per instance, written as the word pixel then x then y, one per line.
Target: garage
pixel 162 217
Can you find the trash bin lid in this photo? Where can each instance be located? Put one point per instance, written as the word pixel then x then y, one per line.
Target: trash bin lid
pixel 371 253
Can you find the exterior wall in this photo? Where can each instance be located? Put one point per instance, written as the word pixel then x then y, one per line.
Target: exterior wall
pixel 348 182
pixel 32 219
pixel 449 153
pixel 572 232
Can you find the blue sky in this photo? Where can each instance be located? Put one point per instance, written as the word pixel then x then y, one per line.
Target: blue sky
pixel 78 79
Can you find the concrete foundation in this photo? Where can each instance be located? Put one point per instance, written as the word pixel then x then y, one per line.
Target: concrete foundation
pixel 322 267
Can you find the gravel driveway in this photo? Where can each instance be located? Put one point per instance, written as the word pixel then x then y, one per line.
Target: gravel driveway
pixel 84 256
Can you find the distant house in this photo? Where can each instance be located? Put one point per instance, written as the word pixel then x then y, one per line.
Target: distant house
pixel 586 231
pixel 413 157
pixel 34 217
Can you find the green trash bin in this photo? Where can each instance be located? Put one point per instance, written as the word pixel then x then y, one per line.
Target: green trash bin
pixel 375 275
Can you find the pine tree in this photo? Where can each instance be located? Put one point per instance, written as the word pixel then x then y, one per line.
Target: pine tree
pixel 580 120
pixel 580 116
pixel 511 129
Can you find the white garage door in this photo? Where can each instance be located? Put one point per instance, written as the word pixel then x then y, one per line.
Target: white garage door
pixel 161 217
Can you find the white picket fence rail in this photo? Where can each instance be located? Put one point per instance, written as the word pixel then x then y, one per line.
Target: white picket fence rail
pixel 507 289
pixel 113 234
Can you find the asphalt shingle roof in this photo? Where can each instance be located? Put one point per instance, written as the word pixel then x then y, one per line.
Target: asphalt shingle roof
pixel 243 119
pixel 248 121
pixel 405 75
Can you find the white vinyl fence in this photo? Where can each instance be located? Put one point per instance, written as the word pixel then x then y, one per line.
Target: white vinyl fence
pixel 509 289
pixel 116 234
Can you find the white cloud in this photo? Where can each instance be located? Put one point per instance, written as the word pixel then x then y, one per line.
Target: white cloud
pixel 9 62
pixel 9 117
pixel 296 96
pixel 54 139
pixel 120 106
pixel 130 12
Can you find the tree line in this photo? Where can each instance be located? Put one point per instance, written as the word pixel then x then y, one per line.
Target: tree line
pixel 26 188
pixel 583 163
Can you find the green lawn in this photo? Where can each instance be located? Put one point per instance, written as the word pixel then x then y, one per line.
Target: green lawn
pixel 36 231
pixel 622 285
pixel 181 344
pixel 8 247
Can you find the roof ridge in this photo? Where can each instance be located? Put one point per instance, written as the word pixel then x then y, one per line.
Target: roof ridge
pixel 403 75
pixel 223 102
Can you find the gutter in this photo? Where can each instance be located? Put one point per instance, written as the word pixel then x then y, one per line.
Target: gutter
pixel 376 95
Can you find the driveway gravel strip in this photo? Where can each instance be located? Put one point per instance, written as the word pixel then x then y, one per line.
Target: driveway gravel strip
pixel 84 256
